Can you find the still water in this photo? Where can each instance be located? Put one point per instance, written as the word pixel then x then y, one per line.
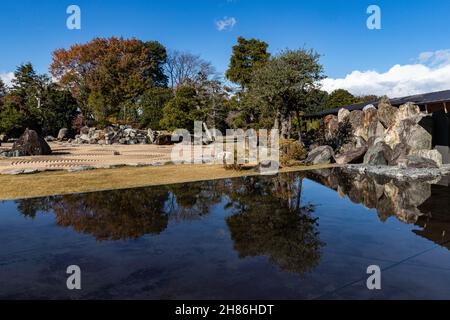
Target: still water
pixel 291 236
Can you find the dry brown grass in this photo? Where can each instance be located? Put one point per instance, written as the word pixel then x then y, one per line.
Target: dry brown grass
pixel 61 182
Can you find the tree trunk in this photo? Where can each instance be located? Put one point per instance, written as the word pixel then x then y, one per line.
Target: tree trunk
pixel 299 129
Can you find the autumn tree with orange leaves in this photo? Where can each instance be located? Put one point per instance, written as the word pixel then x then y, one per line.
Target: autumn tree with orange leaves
pixel 109 76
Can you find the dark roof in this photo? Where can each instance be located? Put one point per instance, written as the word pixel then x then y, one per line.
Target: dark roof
pixel 420 99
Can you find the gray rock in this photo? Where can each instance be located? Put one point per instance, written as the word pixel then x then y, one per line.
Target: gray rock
pixel 434 155
pixel 12 154
pixel 62 134
pixel 355 155
pixel 80 168
pixel 413 161
pixel 369 106
pixel 320 155
pixel 20 171
pixel 343 115
pixel 386 112
pixel 3 138
pixel 378 154
pixel 399 153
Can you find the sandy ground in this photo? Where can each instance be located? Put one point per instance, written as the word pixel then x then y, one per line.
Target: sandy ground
pixel 66 156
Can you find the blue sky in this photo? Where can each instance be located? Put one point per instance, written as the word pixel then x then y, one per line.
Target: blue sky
pixel 31 30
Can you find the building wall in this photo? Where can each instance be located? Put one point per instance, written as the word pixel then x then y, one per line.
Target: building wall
pixel 441 134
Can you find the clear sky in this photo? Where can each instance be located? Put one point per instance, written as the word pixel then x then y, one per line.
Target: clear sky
pixel 31 30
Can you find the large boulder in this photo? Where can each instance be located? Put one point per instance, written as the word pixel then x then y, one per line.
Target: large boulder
pixel 356 119
pixel 331 125
pixel 62 134
pixel 355 155
pixel 343 115
pixel 31 144
pixel 3 137
pixel 433 155
pixel 164 140
pixel 413 161
pixel 399 153
pixel 386 112
pixel 372 127
pixel 406 111
pixel 84 130
pixel 378 154
pixel 376 130
pixel 408 132
pixel 320 155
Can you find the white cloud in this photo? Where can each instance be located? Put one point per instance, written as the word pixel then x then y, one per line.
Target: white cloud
pixel 226 23
pixel 7 77
pixel 430 72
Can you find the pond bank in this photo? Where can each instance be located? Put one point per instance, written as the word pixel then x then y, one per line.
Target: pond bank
pixel 399 173
pixel 63 182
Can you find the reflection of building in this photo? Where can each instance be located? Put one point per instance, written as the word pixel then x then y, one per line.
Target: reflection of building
pixel 436 226
pixel 435 103
pixel 415 202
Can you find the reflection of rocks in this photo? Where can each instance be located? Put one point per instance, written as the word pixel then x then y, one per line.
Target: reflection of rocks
pixel 390 197
pixel 421 203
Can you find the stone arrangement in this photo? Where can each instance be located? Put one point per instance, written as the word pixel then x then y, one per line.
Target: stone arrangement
pixel 384 136
pixel 117 134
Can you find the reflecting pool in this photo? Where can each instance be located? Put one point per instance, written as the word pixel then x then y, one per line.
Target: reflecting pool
pixel 291 236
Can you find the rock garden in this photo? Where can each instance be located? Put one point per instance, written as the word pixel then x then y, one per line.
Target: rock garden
pixel 378 139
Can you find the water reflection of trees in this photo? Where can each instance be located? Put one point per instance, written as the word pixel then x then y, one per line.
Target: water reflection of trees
pixel 269 221
pixel 267 215
pixel 111 215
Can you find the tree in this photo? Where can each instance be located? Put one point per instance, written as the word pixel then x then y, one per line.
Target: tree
pixel 107 76
pixel 340 98
pixel 21 105
pixel 213 104
pixel 184 68
pixel 247 56
pixel 35 102
pixel 151 106
pixel 3 90
pixel 368 98
pixel 283 87
pixel 182 110
pixel 57 110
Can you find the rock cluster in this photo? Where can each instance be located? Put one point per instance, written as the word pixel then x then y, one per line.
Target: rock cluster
pixel 384 136
pixel 119 134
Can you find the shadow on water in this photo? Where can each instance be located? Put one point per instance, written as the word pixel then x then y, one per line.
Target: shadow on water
pixel 424 204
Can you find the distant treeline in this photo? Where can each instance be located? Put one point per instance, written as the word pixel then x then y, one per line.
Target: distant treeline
pixel 129 81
